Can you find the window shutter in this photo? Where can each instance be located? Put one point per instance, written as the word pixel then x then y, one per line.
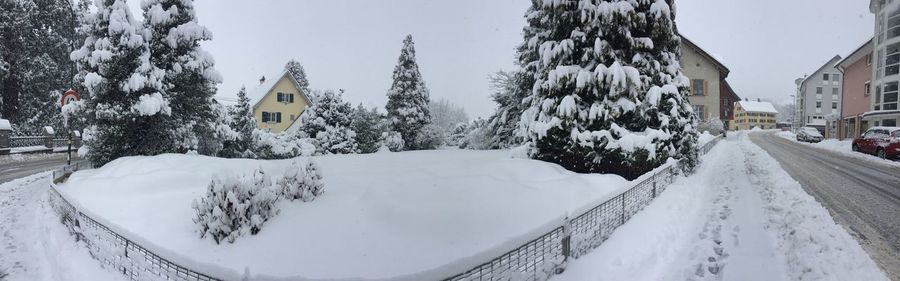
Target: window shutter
pixel 265 117
pixel 291 100
pixel 278 117
pixel 705 87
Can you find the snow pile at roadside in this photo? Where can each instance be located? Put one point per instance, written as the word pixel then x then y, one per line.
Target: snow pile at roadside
pixel 34 245
pixel 810 243
pixel 844 147
pixel 415 215
pixel 740 216
pixel 706 137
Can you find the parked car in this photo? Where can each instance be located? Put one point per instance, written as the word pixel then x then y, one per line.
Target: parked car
pixel 809 134
pixel 883 142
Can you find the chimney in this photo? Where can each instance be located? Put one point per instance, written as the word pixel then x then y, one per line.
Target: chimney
pixel 262 80
pixel 759 100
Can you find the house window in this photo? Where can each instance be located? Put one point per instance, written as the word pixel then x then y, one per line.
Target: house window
pixel 285 97
pixel 293 117
pixel 819 90
pixel 271 117
pixel 868 59
pixel 818 104
pixel 699 87
pixel 825 77
pixel 834 105
pixel 701 112
pixel 837 77
pixel 867 90
pixel 834 93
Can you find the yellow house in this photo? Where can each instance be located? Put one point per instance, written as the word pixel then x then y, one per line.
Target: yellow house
pixel 750 114
pixel 706 75
pixel 278 102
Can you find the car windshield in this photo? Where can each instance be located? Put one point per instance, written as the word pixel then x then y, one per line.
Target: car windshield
pixel 811 131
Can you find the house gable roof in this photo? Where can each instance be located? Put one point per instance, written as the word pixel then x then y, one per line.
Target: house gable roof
pixel 856 55
pixel 257 94
pixel 723 70
pixel 757 106
pixel 830 64
pixel 729 90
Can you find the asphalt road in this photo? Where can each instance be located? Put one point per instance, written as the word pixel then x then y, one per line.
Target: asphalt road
pixel 863 196
pixel 10 170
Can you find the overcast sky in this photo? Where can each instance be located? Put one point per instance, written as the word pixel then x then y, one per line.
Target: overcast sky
pixel 354 44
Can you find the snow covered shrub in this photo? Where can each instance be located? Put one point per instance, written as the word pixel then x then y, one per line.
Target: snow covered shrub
pixel 392 141
pixel 369 126
pixel 479 137
pixel 511 89
pixel 285 145
pixel 714 125
pixel 328 121
pixel 301 181
pixel 234 206
pixel 607 95
pixel 408 98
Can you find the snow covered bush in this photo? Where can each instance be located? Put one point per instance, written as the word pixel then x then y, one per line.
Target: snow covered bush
pixel 714 125
pixel 235 206
pixel 445 119
pixel 480 136
pixel 511 90
pixel 328 121
pixel 392 141
pixel 608 94
pixel 267 145
pixel 408 98
pixel 369 126
pixel 301 181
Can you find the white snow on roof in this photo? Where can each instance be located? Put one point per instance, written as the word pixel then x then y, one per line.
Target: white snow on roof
pixel 757 106
pixel 4 125
pixel 257 94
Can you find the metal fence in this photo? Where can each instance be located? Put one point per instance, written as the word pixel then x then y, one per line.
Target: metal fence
pixel 536 260
pixel 26 141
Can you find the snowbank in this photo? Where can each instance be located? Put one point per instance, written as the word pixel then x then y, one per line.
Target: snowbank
pixel 706 137
pixel 407 215
pixel 843 147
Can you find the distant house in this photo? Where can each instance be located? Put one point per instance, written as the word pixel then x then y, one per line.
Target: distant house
pixel 710 95
pixel 856 91
pixel 278 102
pixel 820 98
pixel 751 114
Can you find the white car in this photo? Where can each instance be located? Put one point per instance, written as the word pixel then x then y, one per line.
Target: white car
pixel 809 134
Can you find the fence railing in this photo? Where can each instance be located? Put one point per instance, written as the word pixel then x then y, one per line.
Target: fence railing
pixel 536 260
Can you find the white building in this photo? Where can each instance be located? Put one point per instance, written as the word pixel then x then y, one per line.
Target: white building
pixel 820 97
pixel 886 71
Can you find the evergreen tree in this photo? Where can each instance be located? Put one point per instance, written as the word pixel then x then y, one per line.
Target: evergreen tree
pixel 408 99
pixel 500 129
pixel 243 123
pixel 189 78
pixel 127 111
pixel 369 126
pixel 299 73
pixel 608 95
pixel 328 121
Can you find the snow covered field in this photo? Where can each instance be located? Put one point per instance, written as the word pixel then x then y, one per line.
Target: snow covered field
pixel 383 215
pixel 741 217
pixel 34 245
pixel 844 147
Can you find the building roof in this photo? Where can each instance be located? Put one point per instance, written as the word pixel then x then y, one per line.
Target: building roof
pixel 830 64
pixel 856 55
pixel 729 90
pixel 257 94
pixel 722 68
pixel 757 106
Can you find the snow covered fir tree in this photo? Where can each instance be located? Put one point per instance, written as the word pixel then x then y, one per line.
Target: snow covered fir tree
pixel 296 69
pixel 243 124
pixel 408 98
pixel 328 122
pixel 608 93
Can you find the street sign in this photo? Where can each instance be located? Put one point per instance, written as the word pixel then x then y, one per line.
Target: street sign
pixel 69 96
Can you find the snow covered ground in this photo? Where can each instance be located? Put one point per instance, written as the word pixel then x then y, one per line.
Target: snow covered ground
pixel 844 147
pixel 382 215
pixel 740 217
pixel 34 245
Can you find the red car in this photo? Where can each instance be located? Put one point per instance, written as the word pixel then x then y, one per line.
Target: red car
pixel 883 142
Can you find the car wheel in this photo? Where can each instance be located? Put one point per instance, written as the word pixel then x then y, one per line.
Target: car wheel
pixel 881 153
pixel 855 148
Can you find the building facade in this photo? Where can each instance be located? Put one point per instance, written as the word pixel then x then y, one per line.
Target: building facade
pixel 820 98
pixel 857 91
pixel 278 102
pixel 708 85
pixel 886 71
pixel 752 114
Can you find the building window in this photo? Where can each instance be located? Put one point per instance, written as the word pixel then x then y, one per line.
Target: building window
pixel 271 117
pixel 837 77
pixel 834 92
pixel 818 104
pixel 819 90
pixel 825 77
pixel 867 90
pixel 699 87
pixel 889 122
pixel 892 61
pixel 834 105
pixel 285 97
pixel 888 97
pixel 868 59
pixel 701 112
pixel 293 117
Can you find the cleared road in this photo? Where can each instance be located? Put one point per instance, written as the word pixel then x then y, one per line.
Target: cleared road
pixel 16 169
pixel 862 196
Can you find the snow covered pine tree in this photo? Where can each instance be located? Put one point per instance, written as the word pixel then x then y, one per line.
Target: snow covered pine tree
pixel 407 104
pixel 243 123
pixel 609 95
pixel 328 121
pixel 127 111
pixel 189 81
pixel 296 69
